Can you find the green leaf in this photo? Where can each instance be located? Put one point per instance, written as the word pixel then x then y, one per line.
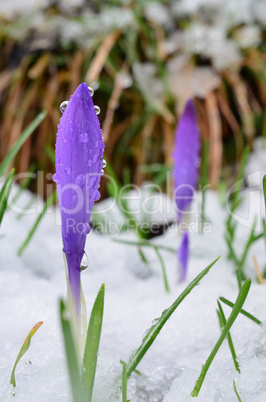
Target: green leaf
pixel 229 337
pixel 236 310
pixel 71 356
pixel 244 312
pixel 145 243
pixel 24 136
pixel 153 332
pixel 48 203
pixel 92 344
pixel 237 395
pixel 142 256
pixel 124 383
pixel 264 189
pixel 23 350
pixel 4 193
pixel 50 153
pixel 165 280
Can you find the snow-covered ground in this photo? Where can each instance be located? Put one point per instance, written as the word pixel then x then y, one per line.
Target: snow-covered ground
pixel 31 285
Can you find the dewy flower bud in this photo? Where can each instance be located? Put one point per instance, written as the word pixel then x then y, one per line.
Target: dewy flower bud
pixel 186 156
pixel 79 153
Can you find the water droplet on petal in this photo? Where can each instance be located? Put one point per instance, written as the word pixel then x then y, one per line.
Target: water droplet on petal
pixel 63 106
pixel 87 228
pixel 92 181
pixel 91 90
pixel 198 162
pixel 59 162
pixel 96 144
pixel 83 138
pixel 67 237
pixel 80 179
pixel 84 262
pixel 104 163
pixel 68 170
pixel 95 158
pixel 69 253
pixel 56 178
pixel 102 172
pixel 96 195
pixel 90 162
pixel 97 109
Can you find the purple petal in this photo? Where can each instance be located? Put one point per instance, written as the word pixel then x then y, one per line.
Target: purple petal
pixel 79 152
pixel 182 255
pixel 186 154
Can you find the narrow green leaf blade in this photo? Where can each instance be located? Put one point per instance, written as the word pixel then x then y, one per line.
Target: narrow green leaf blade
pixel 264 189
pixel 236 310
pixel 23 350
pixel 24 136
pixel 48 203
pixel 145 243
pixel 92 344
pixel 4 193
pixel 124 382
pixel 165 280
pixel 229 338
pixel 244 312
pixel 237 394
pixel 71 356
pixel 152 333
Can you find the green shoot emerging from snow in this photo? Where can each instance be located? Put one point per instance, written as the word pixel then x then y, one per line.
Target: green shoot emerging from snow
pixel 236 310
pixel 23 350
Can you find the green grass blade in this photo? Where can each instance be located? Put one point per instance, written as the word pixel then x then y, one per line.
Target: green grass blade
pixel 165 280
pixel 25 182
pixel 4 193
pixel 142 256
pixel 236 310
pixel 24 136
pixel 237 394
pixel 152 333
pixel 145 243
pixel 264 189
pixel 26 208
pixel 92 344
pixel 155 168
pixel 244 312
pixel 124 383
pixel 71 356
pixel 48 203
pixel 229 337
pixel 23 350
pixel 50 153
pixel 240 176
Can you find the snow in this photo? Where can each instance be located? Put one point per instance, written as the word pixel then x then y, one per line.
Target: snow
pixel 31 286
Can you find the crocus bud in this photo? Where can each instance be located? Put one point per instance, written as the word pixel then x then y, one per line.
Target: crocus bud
pixel 182 256
pixel 79 160
pixel 186 155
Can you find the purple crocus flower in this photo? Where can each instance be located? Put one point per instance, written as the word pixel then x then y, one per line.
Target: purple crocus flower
pixel 79 153
pixel 182 255
pixel 186 154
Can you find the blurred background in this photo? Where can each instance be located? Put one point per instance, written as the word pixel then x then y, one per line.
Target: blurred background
pixel 144 59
